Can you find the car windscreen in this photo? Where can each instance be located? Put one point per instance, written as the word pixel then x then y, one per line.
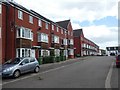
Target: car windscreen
pixel 14 61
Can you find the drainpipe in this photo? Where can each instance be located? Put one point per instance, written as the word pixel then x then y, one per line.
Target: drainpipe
pixel 7 15
pixel 14 29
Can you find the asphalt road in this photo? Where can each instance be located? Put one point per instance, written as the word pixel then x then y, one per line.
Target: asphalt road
pixel 90 72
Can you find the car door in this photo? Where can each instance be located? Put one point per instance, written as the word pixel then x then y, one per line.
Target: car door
pixel 32 63
pixel 24 65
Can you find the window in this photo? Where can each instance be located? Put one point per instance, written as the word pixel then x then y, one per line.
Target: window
pixel 65 41
pixel 40 23
pixel 30 19
pixel 56 39
pixel 20 14
pixel 0 8
pixel 32 60
pixel 71 52
pixel 61 31
pixel 26 61
pixel 52 27
pixel 24 33
pixel 45 52
pixel 46 26
pixel 71 41
pixel 42 37
pixel 23 52
pixel 57 52
pixel 32 38
pixel 57 29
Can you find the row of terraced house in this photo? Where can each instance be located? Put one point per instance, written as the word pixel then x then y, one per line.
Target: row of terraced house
pixel 26 33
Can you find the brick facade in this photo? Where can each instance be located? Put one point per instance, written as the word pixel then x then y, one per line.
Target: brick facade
pixel 27 33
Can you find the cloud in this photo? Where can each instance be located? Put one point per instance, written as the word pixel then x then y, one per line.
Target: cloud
pixel 74 9
pixel 102 35
pixel 80 11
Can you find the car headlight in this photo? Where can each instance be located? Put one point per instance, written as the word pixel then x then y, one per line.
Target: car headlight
pixel 8 69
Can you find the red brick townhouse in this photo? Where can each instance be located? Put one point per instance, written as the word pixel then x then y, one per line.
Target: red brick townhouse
pixel 26 33
pixel 69 37
pixel 84 46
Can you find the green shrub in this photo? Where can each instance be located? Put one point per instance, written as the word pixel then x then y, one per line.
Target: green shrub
pixel 48 59
pixel 77 55
pixel 57 59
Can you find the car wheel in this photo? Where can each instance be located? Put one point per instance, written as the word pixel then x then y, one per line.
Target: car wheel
pixel 36 69
pixel 16 74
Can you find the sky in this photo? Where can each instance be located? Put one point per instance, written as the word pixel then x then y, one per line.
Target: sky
pixel 97 18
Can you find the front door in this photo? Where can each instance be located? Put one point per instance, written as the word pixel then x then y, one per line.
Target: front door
pixel 33 53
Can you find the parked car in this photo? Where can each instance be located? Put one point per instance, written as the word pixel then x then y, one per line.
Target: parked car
pixel 117 60
pixel 19 66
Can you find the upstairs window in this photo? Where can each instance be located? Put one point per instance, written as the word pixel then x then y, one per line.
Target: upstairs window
pixel 46 26
pixel 56 39
pixel 0 8
pixel 20 14
pixel 42 37
pixel 52 27
pixel 40 23
pixel 30 19
pixel 57 29
pixel 61 31
pixel 24 33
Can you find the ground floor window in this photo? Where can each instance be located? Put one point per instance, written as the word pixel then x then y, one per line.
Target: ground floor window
pixel 44 52
pixel 57 52
pixel 66 53
pixel 71 52
pixel 23 52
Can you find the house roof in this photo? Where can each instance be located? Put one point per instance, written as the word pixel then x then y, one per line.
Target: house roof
pixel 63 24
pixel 30 11
pixel 77 32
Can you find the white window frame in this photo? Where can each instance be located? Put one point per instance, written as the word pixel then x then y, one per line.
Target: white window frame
pixel 57 29
pixel 61 31
pixel 42 37
pixel 45 52
pixel 46 25
pixel 40 22
pixel 23 52
pixel 20 14
pixel 57 52
pixel 24 33
pixel 0 9
pixel 32 36
pixel 52 27
pixel 56 39
pixel 71 41
pixel 65 42
pixel 30 19
pixel 71 52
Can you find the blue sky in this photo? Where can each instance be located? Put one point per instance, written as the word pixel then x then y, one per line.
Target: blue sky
pixel 97 18
pixel 109 21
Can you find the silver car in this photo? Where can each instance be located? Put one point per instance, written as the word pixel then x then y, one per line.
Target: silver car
pixel 19 66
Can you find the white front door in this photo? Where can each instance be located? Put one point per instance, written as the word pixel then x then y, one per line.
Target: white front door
pixel 32 53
